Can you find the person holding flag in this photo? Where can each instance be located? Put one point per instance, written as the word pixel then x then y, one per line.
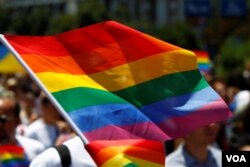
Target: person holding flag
pixel 69 154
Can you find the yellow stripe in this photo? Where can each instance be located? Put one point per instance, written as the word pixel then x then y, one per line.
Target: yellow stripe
pixel 8 156
pixel 121 160
pixel 9 64
pixel 58 81
pixel 117 161
pixel 203 60
pixel 126 75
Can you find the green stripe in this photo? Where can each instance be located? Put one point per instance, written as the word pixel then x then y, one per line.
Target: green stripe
pixel 131 165
pixel 163 88
pixel 13 160
pixel 139 95
pixel 80 97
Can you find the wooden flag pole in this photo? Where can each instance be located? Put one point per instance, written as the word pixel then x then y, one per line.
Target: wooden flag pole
pixel 42 87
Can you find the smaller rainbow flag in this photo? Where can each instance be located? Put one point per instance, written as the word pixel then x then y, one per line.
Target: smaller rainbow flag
pixel 12 156
pixel 127 153
pixel 203 60
pixel 8 63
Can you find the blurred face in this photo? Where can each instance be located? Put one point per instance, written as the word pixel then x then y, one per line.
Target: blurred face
pixel 8 121
pixel 50 114
pixel 205 135
pixel 220 88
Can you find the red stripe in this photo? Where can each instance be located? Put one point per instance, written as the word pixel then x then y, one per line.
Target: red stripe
pixel 11 149
pixel 94 48
pixel 201 53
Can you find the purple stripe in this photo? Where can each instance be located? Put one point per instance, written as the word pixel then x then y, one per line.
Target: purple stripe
pixel 213 112
pixel 146 130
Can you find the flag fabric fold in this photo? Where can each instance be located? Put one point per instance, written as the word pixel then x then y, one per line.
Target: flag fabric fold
pixel 127 153
pixel 115 82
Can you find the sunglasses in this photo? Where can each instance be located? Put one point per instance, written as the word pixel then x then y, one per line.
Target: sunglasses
pixel 4 119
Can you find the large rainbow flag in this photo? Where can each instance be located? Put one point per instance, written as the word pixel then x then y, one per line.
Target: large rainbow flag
pixel 8 62
pixel 127 153
pixel 114 82
pixel 12 156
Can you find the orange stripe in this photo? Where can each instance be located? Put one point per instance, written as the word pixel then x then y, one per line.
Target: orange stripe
pixel 64 64
pixel 95 63
pixel 147 144
pixel 105 154
pixel 96 148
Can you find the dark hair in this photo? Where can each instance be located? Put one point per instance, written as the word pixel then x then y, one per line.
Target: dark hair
pixel 16 109
pixel 45 101
pixel 7 94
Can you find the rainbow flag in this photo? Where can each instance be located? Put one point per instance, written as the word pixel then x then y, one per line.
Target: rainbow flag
pixel 8 63
pixel 12 156
pixel 203 60
pixel 127 153
pixel 113 82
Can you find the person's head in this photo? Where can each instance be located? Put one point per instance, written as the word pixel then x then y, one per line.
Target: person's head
pixel 204 135
pixel 219 85
pixel 9 117
pixel 49 113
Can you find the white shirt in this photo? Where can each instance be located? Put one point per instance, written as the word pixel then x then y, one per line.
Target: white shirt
pixel 38 130
pixel 181 158
pixel 79 156
pixel 31 147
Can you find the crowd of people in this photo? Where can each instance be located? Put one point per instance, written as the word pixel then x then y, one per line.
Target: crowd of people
pixel 30 120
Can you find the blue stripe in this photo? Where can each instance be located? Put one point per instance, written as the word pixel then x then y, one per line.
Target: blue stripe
pixel 15 163
pixel 179 105
pixel 3 51
pixel 90 118
pixel 203 67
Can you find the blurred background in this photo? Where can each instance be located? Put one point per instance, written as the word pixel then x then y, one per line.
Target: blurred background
pixel 217 30
pixel 219 27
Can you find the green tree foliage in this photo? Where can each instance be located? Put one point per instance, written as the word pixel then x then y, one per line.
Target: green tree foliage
pixel 91 12
pixel 5 18
pixel 62 23
pixel 25 21
pixel 20 22
pixel 39 20
pixel 121 13
pixel 234 53
pixel 179 34
pixel 49 20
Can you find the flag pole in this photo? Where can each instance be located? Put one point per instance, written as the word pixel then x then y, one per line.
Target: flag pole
pixel 42 87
